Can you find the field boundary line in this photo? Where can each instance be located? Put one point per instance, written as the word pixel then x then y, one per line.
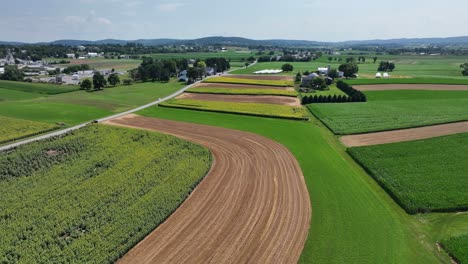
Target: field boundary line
pixel 404 135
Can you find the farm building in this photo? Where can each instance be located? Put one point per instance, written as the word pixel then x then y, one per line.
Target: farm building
pixel 71 56
pixel 2 70
pixel 92 54
pixel 324 71
pixel 210 71
pixel 59 78
pixel 268 72
pixel 378 75
pixel 183 76
pixel 386 75
pixel 308 78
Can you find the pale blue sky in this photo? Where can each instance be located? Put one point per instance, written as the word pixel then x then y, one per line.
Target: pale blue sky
pixel 337 20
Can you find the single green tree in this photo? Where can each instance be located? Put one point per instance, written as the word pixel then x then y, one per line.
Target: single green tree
pixel 287 67
pixel 86 84
pixel 99 82
pixel 349 69
pixel 113 79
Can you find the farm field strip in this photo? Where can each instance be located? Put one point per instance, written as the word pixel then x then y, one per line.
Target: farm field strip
pixel 426 175
pixel 403 135
pixel 37 88
pixel 241 80
pixel 241 86
pixel 262 99
pixel 91 195
pixel 243 91
pixel 428 87
pixel 260 77
pixel 391 110
pixel 457 247
pixel 257 212
pixel 255 109
pixel 12 129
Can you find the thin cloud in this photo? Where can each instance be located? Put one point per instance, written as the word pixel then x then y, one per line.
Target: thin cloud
pixel 170 7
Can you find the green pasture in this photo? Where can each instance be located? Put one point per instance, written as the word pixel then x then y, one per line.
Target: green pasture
pixel 92 195
pixel 353 219
pixel 437 68
pixel 37 88
pixel 233 55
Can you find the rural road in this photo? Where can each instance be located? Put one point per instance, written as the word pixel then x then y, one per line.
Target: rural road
pixel 64 131
pixel 403 135
pixel 252 207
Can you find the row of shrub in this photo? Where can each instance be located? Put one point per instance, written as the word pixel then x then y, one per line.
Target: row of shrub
pixel 309 99
pixel 350 91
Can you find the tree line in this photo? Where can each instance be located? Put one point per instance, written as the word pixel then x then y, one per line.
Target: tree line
pixel 309 99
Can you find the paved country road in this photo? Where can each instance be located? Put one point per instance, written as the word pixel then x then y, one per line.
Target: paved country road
pixel 64 131
pixel 252 207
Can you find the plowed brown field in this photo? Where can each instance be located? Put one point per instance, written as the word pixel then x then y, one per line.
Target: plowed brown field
pixel 239 86
pixel 259 77
pixel 252 207
pixel 404 135
pixel 264 99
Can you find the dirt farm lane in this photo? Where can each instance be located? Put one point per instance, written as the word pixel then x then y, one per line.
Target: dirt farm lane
pixel 403 135
pixel 252 207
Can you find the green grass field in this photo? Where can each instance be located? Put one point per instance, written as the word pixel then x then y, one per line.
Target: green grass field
pixel 263 110
pixel 387 110
pixel 102 63
pixel 424 175
pixel 243 91
pixel 80 106
pixel 408 81
pixel 37 88
pixel 234 55
pixel 458 248
pixel 90 196
pixel 333 90
pixel 14 129
pixel 353 219
pixel 434 68
pixel 281 83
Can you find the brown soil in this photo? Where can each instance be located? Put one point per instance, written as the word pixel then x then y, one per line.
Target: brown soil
pixel 404 135
pixel 240 86
pixel 433 87
pixel 260 77
pixel 252 207
pixel 263 99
